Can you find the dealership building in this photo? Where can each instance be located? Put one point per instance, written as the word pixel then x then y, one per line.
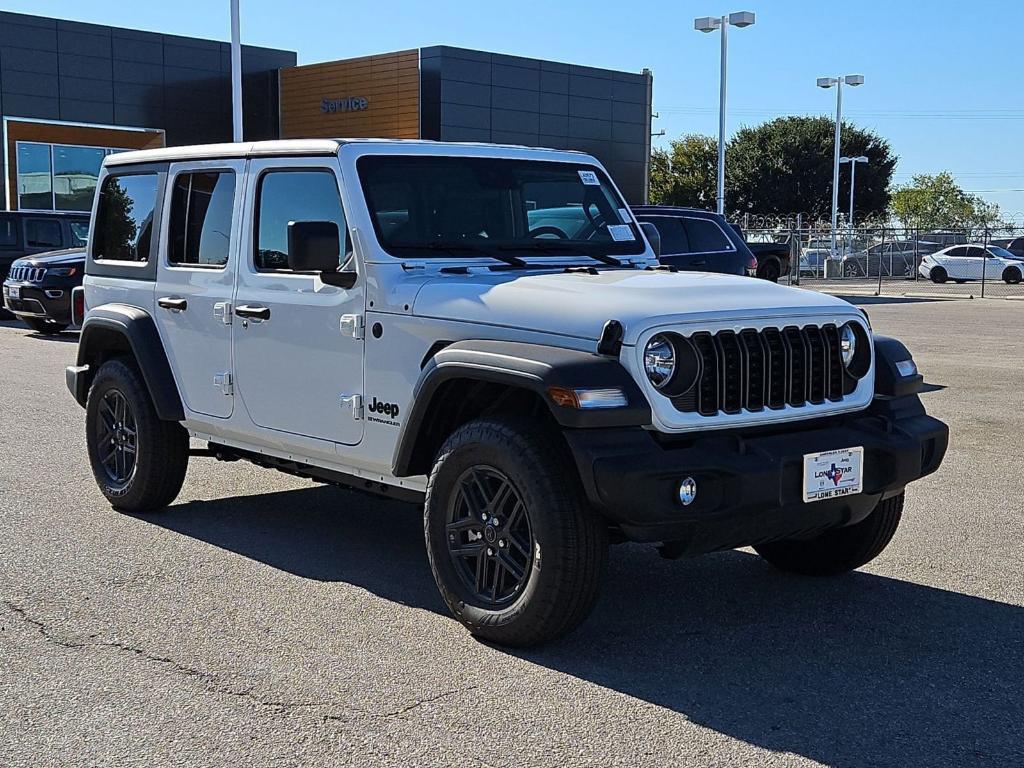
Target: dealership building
pixel 71 93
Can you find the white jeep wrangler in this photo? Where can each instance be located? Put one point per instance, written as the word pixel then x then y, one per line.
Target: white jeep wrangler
pixel 486 331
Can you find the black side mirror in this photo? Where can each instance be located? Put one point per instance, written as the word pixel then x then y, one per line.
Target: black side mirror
pixel 653 236
pixel 315 246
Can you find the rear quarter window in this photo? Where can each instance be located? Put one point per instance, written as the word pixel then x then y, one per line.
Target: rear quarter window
pixel 124 218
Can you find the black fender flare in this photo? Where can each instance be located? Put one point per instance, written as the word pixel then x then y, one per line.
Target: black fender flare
pixel 889 382
pixel 533 367
pixel 136 328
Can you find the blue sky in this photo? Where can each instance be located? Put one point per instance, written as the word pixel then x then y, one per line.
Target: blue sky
pixel 943 78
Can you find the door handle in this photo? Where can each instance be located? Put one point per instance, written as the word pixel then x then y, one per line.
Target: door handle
pixel 175 303
pixel 253 312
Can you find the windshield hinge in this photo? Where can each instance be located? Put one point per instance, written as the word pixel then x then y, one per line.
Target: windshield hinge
pixel 351 325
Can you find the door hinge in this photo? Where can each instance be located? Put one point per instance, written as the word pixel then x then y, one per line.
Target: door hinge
pixel 222 311
pixel 351 325
pixel 355 402
pixel 225 383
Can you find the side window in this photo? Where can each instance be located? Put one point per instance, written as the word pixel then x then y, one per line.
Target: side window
pixel 976 253
pixel 957 252
pixel 124 217
pixel 8 231
pixel 200 222
pixel 673 235
pixel 284 196
pixel 706 236
pixel 42 233
pixel 79 233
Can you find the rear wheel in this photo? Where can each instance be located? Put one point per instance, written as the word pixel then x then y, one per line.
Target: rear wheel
pixel 138 461
pixel 851 269
pixel 515 551
pixel 938 275
pixel 1012 275
pixel 841 549
pixel 43 326
pixel 770 271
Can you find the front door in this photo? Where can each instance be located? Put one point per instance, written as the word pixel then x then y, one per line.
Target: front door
pixel 195 279
pixel 297 364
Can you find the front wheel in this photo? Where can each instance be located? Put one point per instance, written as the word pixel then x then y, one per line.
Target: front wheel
pixel 840 549
pixel 516 553
pixel 138 461
pixel 1012 275
pixel 43 326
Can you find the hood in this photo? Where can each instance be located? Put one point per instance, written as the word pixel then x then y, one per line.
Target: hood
pixel 52 258
pixel 579 304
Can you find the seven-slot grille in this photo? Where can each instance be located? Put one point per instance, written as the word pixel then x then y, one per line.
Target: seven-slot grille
pixel 771 368
pixel 27 274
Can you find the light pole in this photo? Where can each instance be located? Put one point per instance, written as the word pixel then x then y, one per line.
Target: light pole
pixel 710 24
pixel 838 82
pixel 236 73
pixel 853 180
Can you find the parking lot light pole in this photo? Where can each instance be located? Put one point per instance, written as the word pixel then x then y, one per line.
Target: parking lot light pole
pixel 710 24
pixel 838 82
pixel 236 73
pixel 853 181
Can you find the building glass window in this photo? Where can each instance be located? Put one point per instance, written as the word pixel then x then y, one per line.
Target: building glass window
pixel 58 177
pixel 35 179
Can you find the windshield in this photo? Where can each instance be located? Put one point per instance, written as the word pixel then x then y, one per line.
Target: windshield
pixel 466 206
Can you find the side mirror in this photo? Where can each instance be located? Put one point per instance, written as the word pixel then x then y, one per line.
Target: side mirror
pixel 315 246
pixel 653 236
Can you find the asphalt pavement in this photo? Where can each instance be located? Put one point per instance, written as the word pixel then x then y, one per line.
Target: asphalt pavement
pixel 268 621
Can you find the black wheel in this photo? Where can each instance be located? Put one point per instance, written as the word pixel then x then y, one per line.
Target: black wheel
pixel 841 549
pixel 938 275
pixel 770 271
pixel 43 326
pixel 138 461
pixel 516 553
pixel 1012 275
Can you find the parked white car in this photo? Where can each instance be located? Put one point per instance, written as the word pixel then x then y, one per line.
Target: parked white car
pixel 961 263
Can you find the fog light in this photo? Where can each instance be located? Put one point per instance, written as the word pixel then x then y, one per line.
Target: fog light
pixel 688 491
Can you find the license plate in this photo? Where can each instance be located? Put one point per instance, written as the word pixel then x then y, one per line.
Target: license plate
pixel 14 291
pixel 832 474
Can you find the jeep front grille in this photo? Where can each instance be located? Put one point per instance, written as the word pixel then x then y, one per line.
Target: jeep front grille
pixel 768 368
pixel 27 274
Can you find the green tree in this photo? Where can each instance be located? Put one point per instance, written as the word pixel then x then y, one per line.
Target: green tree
pixel 935 202
pixel 785 166
pixel 685 173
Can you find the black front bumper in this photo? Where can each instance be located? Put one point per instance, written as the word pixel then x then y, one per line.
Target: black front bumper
pixel 34 302
pixel 750 484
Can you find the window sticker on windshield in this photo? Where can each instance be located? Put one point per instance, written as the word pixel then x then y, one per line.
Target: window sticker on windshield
pixel 624 214
pixel 589 178
pixel 621 232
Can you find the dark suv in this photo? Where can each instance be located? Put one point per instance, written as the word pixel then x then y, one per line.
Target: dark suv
pixel 38 288
pixel 697 240
pixel 24 233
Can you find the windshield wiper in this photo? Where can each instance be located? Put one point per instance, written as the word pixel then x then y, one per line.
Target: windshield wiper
pixel 438 245
pixel 556 246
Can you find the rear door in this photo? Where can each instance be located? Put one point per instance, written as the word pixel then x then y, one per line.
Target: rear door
pixel 42 233
pixel 675 246
pixel 710 247
pixel 195 279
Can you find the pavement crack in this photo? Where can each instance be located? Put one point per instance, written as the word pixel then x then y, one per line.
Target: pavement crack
pixel 430 699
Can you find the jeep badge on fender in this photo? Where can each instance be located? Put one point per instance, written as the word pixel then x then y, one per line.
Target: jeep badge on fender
pixel 557 391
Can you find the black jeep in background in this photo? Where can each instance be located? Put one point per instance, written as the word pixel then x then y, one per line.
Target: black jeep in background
pixel 26 233
pixel 38 289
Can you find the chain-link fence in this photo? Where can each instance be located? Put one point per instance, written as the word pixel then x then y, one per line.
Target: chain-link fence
pixel 886 260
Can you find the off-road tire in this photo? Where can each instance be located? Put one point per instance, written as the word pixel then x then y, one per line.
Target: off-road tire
pixel 841 549
pixel 45 327
pixel 161 447
pixel 1012 275
pixel 570 541
pixel 938 275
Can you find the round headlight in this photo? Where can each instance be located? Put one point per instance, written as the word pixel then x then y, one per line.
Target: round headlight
pixel 659 360
pixel 847 344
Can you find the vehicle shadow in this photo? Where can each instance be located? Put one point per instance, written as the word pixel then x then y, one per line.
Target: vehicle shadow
pixel 858 670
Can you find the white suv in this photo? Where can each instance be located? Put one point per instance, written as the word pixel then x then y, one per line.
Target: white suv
pixel 383 315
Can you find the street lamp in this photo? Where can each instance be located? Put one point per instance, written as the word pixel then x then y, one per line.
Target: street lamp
pixel 710 24
pixel 236 73
pixel 838 82
pixel 853 180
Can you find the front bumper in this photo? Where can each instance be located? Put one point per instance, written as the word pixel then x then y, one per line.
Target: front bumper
pixel 750 484
pixel 42 301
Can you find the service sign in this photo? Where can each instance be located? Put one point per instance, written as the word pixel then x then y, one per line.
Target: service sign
pixel 347 104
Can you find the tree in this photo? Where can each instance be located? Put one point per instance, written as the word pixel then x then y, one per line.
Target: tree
pixel 785 166
pixel 937 202
pixel 685 174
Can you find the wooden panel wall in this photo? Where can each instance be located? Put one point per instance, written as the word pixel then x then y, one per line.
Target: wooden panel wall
pixel 56 133
pixel 390 82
